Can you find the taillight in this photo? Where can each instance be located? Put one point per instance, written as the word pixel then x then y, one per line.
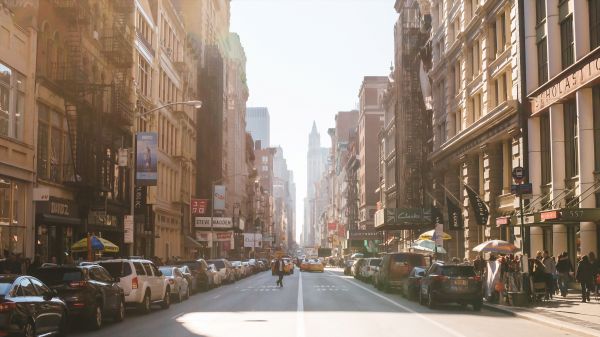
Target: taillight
pixel 134 283
pixel 440 278
pixel 77 284
pixel 7 306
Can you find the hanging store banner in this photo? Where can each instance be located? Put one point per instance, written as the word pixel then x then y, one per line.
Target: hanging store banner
pixel 219 198
pixel 146 159
pixel 198 207
pixel 341 231
pixel 479 207
pixel 332 227
pixel 218 223
pixel 253 240
pixel 455 220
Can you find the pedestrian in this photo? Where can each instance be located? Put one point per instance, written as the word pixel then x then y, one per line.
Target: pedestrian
pixel 35 264
pixel 595 269
pixel 279 269
pixel 549 271
pixel 564 268
pixel 585 276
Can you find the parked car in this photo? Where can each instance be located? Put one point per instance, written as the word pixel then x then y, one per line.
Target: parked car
pixel 358 263
pixel 225 269
pixel 90 292
pixel 187 274
pixel 247 269
pixel 214 276
pixel 199 270
pixel 178 284
pixel 142 283
pixel 411 287
pixel 348 267
pixel 451 283
pixel 237 269
pixel 28 307
pixel 395 268
pixel 369 268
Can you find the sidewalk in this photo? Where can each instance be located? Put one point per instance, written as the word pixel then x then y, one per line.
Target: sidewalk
pixel 567 313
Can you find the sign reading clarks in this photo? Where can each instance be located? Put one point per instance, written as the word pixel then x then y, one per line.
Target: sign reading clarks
pixel 204 222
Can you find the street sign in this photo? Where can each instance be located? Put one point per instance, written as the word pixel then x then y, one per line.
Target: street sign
pixel 128 229
pixel 521 189
pixel 518 173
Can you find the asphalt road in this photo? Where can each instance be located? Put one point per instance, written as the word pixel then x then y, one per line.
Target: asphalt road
pixel 313 304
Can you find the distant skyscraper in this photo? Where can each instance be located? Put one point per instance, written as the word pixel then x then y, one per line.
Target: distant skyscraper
pixel 258 123
pixel 316 161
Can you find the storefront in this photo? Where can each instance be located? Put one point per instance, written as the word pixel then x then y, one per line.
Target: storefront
pixel 13 208
pixel 58 225
pixel 107 223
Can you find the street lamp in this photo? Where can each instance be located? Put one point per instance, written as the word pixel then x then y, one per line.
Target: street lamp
pixel 193 103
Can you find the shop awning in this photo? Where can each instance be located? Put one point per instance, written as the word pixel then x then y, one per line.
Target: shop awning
pixel 57 219
pixel 561 216
pixel 189 242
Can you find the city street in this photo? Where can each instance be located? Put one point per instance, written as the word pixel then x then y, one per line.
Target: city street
pixel 314 304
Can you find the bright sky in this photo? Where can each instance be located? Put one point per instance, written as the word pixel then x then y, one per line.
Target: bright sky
pixel 306 61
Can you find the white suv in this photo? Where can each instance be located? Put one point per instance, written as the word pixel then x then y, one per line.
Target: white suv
pixel 142 283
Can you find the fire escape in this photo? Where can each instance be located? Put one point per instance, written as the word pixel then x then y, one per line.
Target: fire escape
pixel 97 108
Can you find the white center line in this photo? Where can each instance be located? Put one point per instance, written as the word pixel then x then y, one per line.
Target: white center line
pixel 178 315
pixel 300 309
pixel 431 321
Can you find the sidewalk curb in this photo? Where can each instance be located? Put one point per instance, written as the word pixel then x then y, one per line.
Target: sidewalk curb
pixel 562 325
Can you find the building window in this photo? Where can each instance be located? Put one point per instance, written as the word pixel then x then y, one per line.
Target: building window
pixel 566 34
pixel 458 121
pixel 542 58
pixel 457 78
pixel 540 11
pixel 475 59
pixel 12 102
pixel 144 77
pixel 13 205
pixel 596 108
pixel 594 23
pixel 54 150
pixel 545 147
pixel 571 139
pixel 475 107
pixel 501 86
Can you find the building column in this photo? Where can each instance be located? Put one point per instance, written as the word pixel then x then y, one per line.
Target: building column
pixel 581 29
pixel 585 115
pixel 452 182
pixel 536 240
pixel 470 176
pixel 553 30
pixel 557 146
pixel 559 239
pixel 492 183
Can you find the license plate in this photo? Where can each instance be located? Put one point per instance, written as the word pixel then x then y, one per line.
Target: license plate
pixel 461 283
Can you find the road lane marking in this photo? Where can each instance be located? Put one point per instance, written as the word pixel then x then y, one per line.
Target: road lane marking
pixel 178 315
pixel 300 309
pixel 432 321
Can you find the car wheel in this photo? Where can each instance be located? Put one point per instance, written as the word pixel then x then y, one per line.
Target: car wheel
pixel 477 306
pixel 120 314
pixel 29 330
pixel 96 317
pixel 430 301
pixel 166 302
pixel 146 304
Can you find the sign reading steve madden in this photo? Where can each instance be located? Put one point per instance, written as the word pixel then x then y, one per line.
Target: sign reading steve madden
pixel 204 222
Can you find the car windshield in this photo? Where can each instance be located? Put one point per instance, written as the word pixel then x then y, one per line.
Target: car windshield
pixel 56 276
pixel 374 262
pixel 117 269
pixel 166 271
pixel 458 271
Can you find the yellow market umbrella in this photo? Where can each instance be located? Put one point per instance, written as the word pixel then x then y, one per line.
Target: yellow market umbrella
pixel 96 243
pixel 429 235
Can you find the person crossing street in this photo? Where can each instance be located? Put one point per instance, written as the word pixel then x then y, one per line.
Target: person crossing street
pixel 280 270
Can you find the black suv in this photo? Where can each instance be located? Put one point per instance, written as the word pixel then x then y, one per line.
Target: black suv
pixel 199 269
pixel 451 283
pixel 89 291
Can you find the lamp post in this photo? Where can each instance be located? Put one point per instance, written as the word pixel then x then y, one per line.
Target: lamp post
pixel 194 103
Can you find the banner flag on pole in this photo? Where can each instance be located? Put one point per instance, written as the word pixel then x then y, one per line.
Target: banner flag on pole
pixel 479 207
pixel 455 220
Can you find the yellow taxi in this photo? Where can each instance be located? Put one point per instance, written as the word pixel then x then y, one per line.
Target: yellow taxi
pixel 312 265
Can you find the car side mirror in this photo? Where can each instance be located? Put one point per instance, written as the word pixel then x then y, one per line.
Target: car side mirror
pixel 49 295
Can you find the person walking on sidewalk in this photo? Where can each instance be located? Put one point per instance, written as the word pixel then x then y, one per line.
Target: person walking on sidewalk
pixel 550 271
pixel 280 270
pixel 564 269
pixel 585 276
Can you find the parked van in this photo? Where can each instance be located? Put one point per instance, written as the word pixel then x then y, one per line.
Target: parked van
pixel 395 268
